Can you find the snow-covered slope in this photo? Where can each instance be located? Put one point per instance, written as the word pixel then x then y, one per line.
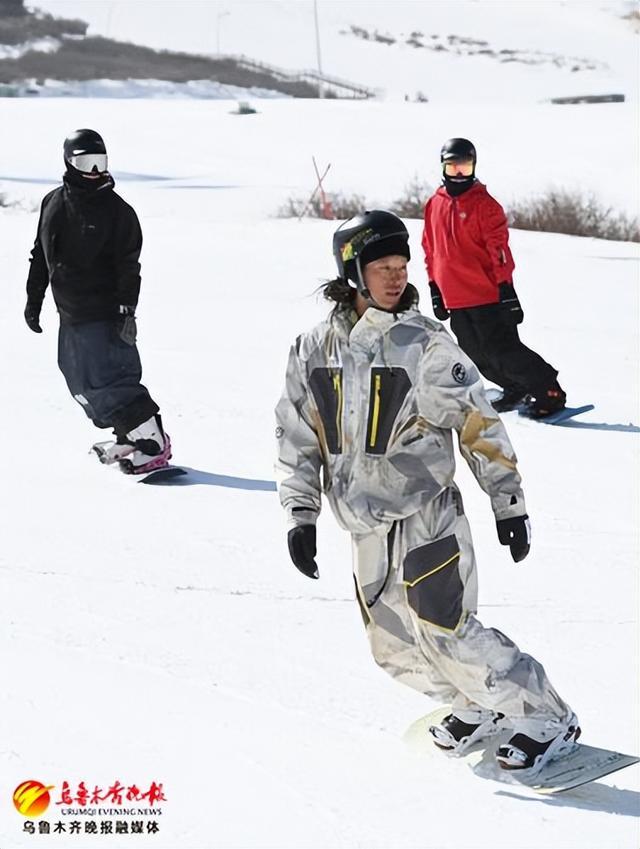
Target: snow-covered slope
pixel 531 49
pixel 161 634
pixel 375 149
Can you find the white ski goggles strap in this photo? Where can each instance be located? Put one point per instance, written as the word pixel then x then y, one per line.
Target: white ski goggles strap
pixel 88 162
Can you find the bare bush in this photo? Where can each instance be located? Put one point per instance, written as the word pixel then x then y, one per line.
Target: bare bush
pixel 557 211
pixel 411 202
pixel 337 206
pixel 244 108
pixel 560 211
pixel 346 206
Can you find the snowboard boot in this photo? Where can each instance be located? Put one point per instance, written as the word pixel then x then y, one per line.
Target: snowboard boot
pixel 150 448
pixel 510 399
pixel 462 728
pixel 535 744
pixel 545 402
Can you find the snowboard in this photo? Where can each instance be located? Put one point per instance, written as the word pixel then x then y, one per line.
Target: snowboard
pixel 561 416
pixel 166 475
pixel 580 766
pixel 552 419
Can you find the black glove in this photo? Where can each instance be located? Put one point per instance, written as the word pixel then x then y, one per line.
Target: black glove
pixel 127 328
pixel 302 548
pixel 32 316
pixel 516 533
pixel 439 309
pixel 510 303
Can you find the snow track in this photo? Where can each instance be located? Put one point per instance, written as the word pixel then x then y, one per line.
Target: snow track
pixel 153 633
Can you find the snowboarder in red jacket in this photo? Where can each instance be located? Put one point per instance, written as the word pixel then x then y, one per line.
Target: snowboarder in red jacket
pixel 470 268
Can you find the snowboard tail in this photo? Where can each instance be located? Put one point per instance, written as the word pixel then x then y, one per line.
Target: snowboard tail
pixel 560 416
pixel 167 474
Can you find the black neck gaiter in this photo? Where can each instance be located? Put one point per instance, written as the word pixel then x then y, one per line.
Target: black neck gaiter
pixel 76 183
pixel 458 187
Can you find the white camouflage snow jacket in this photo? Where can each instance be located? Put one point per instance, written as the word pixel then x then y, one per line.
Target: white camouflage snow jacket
pixel 367 416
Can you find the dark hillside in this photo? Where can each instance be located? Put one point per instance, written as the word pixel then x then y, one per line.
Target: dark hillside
pixel 85 58
pixel 17 25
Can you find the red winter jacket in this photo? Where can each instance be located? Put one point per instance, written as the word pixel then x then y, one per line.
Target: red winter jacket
pixel 466 246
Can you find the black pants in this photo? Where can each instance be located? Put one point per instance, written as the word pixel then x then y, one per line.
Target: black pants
pixel 489 338
pixel 103 374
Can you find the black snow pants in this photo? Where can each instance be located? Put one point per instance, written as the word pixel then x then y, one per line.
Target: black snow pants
pixel 103 374
pixel 489 337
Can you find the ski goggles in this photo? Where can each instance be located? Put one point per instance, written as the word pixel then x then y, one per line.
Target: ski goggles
pixel 88 162
pixel 458 168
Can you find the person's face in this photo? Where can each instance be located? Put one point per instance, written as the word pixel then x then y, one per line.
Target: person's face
pixel 386 280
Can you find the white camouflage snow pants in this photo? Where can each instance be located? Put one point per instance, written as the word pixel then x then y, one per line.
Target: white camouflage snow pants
pixel 417 591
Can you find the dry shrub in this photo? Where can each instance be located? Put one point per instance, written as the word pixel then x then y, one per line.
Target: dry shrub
pixel 411 202
pixel 560 211
pixel 341 206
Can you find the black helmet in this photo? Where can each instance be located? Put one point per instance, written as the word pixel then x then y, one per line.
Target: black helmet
pixel 365 237
pixel 457 149
pixel 85 151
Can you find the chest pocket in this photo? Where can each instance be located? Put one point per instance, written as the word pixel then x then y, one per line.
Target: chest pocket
pixel 389 388
pixel 326 388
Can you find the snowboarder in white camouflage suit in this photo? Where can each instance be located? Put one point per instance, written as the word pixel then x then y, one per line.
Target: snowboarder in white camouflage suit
pixel 372 398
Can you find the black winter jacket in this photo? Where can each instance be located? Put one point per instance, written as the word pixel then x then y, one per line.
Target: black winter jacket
pixel 87 246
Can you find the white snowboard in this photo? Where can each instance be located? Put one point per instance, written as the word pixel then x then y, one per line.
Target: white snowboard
pixel 584 764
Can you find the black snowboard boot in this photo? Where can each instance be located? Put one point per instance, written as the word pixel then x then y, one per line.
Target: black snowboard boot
pixel 510 399
pixel 545 402
pixel 461 729
pixel 525 752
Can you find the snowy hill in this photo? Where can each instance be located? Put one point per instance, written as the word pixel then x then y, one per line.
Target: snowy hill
pixel 467 51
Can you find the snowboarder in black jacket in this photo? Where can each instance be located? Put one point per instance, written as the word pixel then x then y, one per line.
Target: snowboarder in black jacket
pixel 88 248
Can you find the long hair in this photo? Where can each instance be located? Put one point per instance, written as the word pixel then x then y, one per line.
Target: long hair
pixel 343 295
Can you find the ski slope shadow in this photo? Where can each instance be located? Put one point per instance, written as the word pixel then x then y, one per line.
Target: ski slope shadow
pixel 119 176
pixel 196 477
pixel 590 797
pixel 622 428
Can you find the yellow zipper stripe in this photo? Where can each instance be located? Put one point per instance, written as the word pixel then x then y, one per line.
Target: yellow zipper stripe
pixel 337 387
pixel 376 411
pixel 437 569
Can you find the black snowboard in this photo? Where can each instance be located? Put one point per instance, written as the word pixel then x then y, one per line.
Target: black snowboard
pixel 167 475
